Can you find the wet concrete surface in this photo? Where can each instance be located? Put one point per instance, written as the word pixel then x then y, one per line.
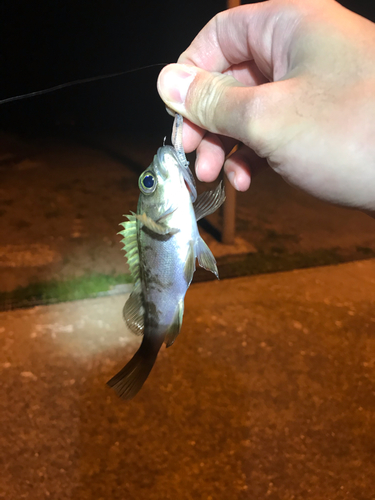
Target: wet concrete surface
pixel 268 392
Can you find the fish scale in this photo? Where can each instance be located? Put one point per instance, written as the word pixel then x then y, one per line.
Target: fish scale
pixel 156 305
pixel 162 243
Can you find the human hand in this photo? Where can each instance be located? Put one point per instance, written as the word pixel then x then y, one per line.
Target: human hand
pixel 293 83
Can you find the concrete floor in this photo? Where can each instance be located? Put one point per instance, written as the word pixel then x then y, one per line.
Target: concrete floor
pixel 269 392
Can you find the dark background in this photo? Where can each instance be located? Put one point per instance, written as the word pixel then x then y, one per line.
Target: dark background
pixel 45 43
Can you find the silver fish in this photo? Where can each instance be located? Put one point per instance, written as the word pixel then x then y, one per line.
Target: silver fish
pixel 162 244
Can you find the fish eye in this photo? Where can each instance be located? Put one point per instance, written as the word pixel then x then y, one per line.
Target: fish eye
pixel 147 183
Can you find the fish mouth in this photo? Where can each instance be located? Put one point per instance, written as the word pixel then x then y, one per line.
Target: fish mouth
pixel 184 170
pixel 162 163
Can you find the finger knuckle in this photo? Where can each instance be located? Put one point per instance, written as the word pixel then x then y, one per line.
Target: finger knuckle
pixel 207 101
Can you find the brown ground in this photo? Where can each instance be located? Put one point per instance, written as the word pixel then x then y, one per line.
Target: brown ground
pixel 61 202
pixel 268 392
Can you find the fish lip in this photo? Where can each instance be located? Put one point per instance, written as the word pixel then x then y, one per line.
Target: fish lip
pixel 185 170
pixel 160 156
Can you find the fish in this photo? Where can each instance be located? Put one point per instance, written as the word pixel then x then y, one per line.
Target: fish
pixel 162 243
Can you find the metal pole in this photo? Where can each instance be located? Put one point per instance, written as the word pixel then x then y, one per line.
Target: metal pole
pixel 233 3
pixel 229 209
pixel 229 213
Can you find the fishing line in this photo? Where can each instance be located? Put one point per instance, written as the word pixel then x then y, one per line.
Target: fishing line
pixel 77 82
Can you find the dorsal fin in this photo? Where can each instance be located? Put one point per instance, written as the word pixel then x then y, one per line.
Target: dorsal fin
pixel 131 245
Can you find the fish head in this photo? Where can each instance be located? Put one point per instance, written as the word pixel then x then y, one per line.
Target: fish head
pixel 165 182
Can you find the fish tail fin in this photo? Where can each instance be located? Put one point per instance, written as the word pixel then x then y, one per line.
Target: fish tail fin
pixel 129 381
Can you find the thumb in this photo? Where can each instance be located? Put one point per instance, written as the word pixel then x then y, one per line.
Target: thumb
pixel 216 102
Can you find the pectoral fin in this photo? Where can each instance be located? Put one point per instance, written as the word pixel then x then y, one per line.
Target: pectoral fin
pixel 155 227
pixel 205 257
pixel 166 214
pixel 175 327
pixel 209 201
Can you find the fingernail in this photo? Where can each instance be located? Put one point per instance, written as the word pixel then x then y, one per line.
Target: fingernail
pixel 174 82
pixel 232 179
